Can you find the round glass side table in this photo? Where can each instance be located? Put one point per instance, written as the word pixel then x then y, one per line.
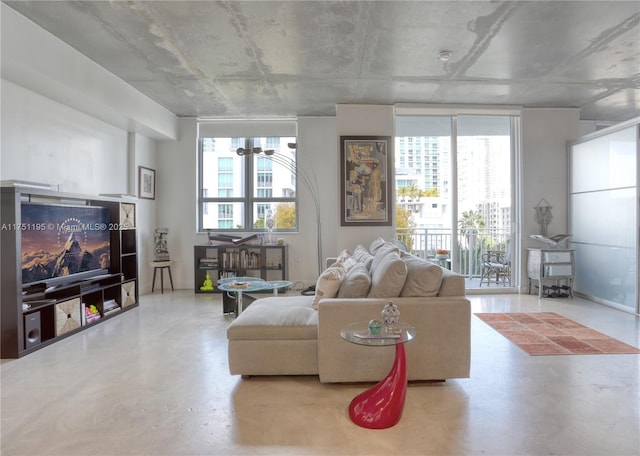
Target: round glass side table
pixel 241 285
pixel 381 406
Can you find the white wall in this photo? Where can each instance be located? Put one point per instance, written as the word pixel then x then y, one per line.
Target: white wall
pixel 143 152
pixel 317 151
pixel 545 134
pixel 363 120
pixel 45 141
pixel 177 190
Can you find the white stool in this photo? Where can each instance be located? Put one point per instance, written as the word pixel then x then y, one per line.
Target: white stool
pixel 162 265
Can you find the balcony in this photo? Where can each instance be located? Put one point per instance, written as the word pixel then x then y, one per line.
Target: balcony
pixel 470 246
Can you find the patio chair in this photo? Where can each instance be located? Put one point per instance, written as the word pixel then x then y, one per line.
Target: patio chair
pixel 495 264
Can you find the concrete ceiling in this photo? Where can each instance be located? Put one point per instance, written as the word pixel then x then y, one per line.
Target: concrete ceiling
pixel 301 58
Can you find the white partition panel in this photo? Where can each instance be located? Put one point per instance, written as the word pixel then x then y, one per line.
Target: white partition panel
pixel 603 215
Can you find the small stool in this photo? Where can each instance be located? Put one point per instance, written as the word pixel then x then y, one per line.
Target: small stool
pixel 162 265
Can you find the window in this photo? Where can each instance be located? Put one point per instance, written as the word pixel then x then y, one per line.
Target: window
pixel 225 176
pixel 239 182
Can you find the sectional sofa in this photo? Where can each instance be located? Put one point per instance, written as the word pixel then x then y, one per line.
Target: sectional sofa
pixel 300 335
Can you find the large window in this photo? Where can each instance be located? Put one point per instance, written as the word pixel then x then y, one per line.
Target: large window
pixel 241 179
pixel 462 202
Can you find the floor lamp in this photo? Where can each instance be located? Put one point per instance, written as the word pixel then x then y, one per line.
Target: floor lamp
pixel 306 176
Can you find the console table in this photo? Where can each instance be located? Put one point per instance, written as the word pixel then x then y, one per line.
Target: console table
pixel 381 406
pixel 551 265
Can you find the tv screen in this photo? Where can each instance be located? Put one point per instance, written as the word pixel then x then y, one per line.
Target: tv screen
pixel 60 241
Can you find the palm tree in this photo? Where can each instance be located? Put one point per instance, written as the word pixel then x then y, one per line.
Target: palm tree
pixel 403 191
pixel 471 221
pixel 470 224
pixel 411 191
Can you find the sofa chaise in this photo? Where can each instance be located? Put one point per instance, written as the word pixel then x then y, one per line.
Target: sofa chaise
pixel 300 335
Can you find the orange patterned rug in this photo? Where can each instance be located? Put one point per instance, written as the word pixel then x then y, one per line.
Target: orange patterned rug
pixel 547 333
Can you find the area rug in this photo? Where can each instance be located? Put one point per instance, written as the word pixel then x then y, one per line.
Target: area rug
pixel 548 333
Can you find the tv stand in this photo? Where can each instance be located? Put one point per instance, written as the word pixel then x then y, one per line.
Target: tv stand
pixel 42 313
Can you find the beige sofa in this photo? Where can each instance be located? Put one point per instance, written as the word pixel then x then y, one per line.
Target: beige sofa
pixel 300 335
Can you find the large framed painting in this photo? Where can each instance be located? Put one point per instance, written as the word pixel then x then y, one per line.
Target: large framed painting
pixel 365 181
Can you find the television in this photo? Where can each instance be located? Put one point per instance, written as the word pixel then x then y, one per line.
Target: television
pixel 63 243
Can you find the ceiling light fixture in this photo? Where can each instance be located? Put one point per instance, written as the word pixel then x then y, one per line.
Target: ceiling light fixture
pixel 444 56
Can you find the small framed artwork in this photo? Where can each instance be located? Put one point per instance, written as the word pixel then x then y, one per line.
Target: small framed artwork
pixel 146 183
pixel 365 181
pixel 127 215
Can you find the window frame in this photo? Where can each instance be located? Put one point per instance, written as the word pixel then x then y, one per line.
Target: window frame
pixel 251 189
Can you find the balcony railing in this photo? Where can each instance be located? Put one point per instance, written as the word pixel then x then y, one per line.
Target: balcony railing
pixel 472 243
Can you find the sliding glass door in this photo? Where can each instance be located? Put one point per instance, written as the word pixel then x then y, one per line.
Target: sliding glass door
pixel 603 215
pixel 454 191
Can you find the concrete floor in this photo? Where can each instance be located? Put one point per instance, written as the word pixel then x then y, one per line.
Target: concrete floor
pixel 154 381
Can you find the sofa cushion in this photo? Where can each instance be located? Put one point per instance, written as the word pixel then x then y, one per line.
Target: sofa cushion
pixel 362 255
pixel 381 252
pixel 328 283
pixel 275 318
pixel 389 276
pixel 423 278
pixel 452 284
pixel 356 282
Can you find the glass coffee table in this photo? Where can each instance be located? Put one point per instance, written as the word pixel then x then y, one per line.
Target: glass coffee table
pixel 276 285
pixel 240 285
pixel 381 406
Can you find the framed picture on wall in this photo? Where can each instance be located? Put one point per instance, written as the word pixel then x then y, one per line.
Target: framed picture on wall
pixel 127 215
pixel 146 183
pixel 365 182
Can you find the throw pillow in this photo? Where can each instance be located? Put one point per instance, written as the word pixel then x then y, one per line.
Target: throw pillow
pixel 389 277
pixel 328 284
pixel 356 282
pixel 362 255
pixel 423 278
pixel 376 244
pixel 343 256
pixel 381 252
pixel 346 263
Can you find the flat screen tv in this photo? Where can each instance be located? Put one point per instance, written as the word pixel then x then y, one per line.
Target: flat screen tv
pixel 63 242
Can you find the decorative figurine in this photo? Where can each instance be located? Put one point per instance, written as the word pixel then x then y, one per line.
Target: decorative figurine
pixel 390 316
pixel 269 222
pixel 207 285
pixel 161 250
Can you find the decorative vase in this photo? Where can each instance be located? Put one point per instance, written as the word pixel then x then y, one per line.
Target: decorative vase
pixel 390 316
